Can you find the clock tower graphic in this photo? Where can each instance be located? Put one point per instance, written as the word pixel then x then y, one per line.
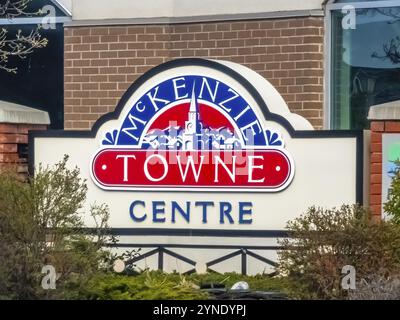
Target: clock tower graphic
pixel 193 133
pixel 193 126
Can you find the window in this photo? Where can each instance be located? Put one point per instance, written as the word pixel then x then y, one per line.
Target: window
pixel 364 62
pixel 39 81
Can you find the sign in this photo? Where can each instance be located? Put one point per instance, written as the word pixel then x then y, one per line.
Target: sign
pixel 192 133
pixel 203 154
pixel 390 154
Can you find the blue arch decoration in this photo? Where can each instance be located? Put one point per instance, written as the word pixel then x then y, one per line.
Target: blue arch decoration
pixel 151 104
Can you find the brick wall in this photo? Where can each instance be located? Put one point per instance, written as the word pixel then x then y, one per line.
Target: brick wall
pixel 102 62
pixel 13 136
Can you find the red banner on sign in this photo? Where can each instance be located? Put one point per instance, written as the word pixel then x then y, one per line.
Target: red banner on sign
pixel 151 169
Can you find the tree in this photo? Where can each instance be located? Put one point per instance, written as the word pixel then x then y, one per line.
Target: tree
pixel 392 206
pixel 41 225
pixel 323 241
pixel 19 45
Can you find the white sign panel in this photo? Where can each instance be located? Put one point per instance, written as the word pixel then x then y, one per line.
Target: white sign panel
pixel 206 149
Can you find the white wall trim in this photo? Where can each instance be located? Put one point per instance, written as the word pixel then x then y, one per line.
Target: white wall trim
pixel 327 71
pixel 36 20
pixel 362 5
pixel 198 19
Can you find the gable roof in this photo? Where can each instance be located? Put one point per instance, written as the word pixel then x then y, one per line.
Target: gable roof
pixel 63 6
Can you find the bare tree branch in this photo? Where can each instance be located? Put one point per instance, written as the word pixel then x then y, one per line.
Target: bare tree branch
pixel 20 45
pixel 393 13
pixel 391 51
pixel 14 8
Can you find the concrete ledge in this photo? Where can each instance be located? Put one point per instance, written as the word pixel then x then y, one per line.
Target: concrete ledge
pixel 385 111
pixel 196 19
pixel 16 113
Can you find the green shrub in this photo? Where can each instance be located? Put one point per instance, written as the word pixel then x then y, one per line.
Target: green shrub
pixel 41 224
pixel 323 241
pixel 151 285
pixel 392 206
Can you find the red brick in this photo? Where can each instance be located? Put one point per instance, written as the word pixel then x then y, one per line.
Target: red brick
pixel 376 189
pixel 376 137
pixel 376 178
pixel 376 158
pixel 376 212
pixel 376 147
pixel 8 128
pixel 378 126
pixel 392 126
pixel 8 148
pixel 375 199
pixel 13 138
pixel 9 157
pixel 25 128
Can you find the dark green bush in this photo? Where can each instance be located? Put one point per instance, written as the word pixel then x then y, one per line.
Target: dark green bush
pixel 323 241
pixel 151 285
pixel 148 285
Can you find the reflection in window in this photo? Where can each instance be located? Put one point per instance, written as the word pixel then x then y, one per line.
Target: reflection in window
pixel 365 65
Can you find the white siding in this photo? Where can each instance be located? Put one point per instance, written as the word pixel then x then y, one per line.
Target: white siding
pixel 131 9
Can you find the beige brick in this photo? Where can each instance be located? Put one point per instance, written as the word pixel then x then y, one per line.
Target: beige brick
pixel 101 62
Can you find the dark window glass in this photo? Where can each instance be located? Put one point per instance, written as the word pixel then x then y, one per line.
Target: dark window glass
pixel 39 79
pixel 365 66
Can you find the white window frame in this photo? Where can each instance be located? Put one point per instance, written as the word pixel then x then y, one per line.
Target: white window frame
pixel 329 7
